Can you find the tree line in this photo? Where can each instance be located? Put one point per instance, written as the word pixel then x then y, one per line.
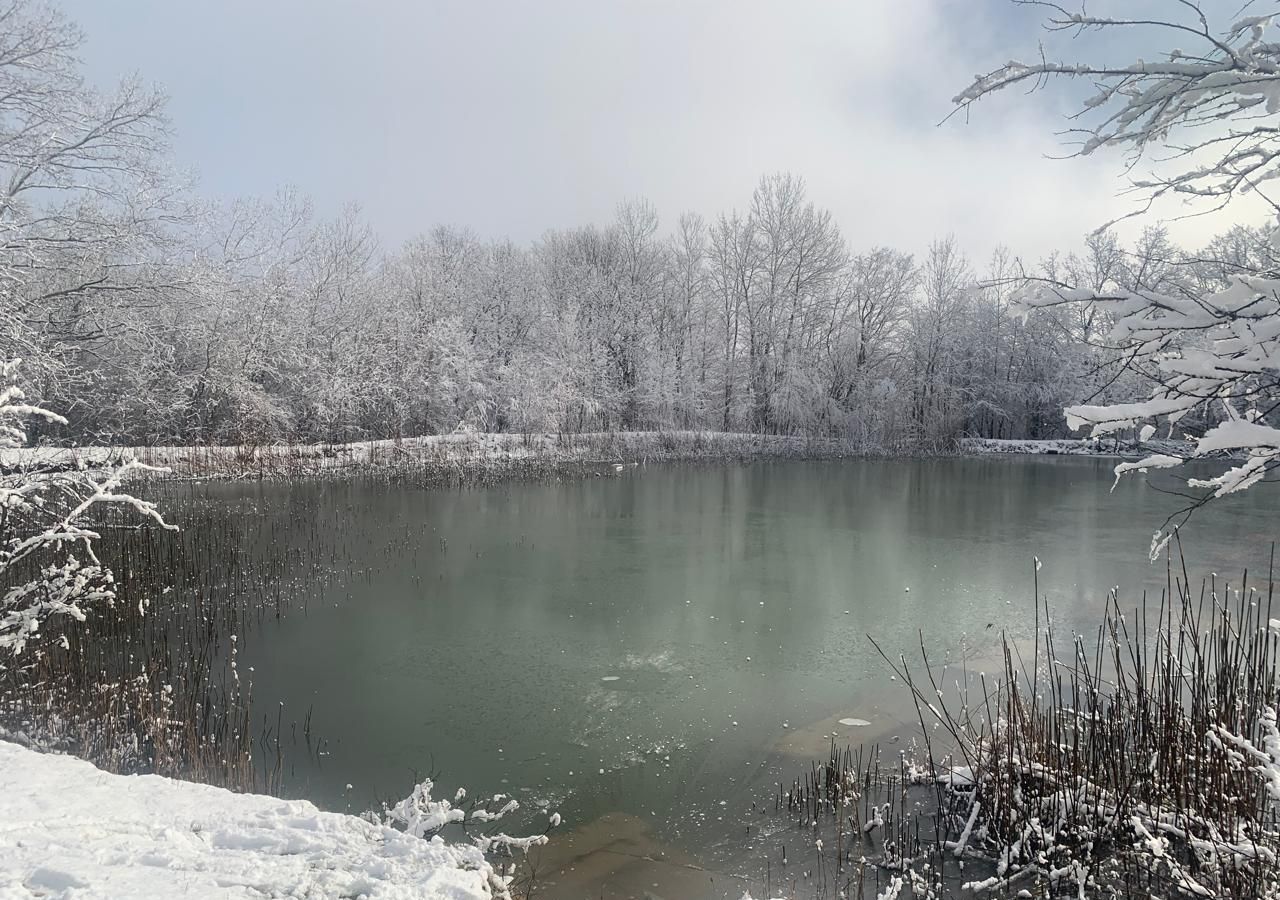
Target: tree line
pixel 147 316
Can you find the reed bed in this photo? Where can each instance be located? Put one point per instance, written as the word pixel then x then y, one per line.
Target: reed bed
pixel 1135 760
pixel 1140 759
pixel 154 683
pixel 861 827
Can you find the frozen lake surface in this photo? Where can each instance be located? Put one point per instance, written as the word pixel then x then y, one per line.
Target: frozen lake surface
pixel 650 653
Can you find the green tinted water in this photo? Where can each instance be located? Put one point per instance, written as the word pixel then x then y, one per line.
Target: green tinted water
pixel 664 645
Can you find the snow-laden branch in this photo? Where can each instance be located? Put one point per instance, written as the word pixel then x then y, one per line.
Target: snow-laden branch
pixel 1211 106
pixel 46 537
pixel 1216 354
pixel 1215 357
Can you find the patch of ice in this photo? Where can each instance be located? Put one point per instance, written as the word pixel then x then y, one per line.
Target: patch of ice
pixel 660 662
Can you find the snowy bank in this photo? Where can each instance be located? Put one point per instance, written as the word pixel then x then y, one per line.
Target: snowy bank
pixel 446 456
pixel 1076 447
pixel 68 829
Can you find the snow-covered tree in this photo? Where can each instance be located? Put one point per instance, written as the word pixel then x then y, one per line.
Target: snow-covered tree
pixel 86 204
pixel 935 342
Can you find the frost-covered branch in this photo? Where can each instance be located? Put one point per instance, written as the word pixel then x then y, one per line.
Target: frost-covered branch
pixel 1207 107
pixel 47 560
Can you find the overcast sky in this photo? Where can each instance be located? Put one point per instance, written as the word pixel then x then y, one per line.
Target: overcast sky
pixel 512 118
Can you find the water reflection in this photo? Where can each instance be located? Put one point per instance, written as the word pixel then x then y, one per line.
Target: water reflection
pixel 662 646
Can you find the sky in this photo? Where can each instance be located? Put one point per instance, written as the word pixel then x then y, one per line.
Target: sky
pixel 512 118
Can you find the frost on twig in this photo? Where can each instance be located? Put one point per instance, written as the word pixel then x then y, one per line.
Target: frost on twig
pixel 1206 106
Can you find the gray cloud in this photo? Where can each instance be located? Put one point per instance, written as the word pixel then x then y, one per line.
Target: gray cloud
pixel 511 118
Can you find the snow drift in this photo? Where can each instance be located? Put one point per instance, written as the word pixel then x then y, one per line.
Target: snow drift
pixel 68 829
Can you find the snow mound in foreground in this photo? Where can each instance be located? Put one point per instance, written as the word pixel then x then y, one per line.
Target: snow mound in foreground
pixel 70 830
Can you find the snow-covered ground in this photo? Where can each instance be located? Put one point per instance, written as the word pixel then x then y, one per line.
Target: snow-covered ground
pixel 1077 447
pixel 69 830
pixel 480 453
pixel 461 453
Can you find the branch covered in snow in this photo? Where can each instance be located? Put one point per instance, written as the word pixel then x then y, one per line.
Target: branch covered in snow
pixel 1207 104
pixel 47 530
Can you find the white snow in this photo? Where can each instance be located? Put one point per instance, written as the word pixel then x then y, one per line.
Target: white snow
pixel 957 777
pixel 458 451
pixel 1154 461
pixel 1075 447
pixel 68 829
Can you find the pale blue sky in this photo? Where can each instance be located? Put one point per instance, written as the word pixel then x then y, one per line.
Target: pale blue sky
pixel 511 118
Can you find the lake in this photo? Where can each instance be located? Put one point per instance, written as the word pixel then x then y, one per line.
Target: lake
pixel 650 652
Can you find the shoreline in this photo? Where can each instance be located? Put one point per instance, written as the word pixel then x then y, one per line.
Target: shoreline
pixel 452 458
pixel 1101 449
pixel 482 457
